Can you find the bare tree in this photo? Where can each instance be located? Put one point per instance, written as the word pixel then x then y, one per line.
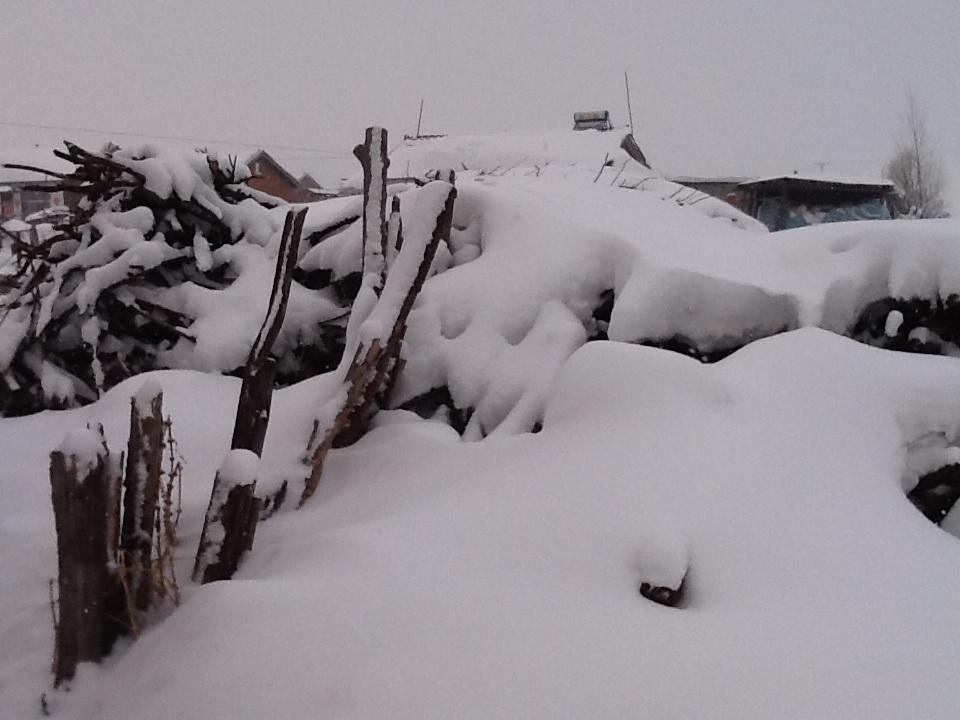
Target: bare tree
pixel 915 166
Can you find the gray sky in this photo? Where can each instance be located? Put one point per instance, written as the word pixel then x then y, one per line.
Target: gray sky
pixel 719 88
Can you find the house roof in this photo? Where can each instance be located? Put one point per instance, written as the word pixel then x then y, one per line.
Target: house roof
pixel 838 183
pixel 263 156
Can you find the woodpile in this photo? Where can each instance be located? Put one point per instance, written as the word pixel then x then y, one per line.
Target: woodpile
pixel 86 308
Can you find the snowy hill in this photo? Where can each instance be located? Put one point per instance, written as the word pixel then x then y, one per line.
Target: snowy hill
pixel 435 578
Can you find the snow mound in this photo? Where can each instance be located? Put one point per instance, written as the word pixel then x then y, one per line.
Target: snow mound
pixel 774 473
pixel 583 157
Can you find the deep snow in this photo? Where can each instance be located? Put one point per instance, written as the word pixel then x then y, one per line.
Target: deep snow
pixel 435 578
pixel 431 578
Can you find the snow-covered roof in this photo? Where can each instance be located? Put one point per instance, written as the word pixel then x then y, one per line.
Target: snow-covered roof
pixel 585 150
pixel 824 179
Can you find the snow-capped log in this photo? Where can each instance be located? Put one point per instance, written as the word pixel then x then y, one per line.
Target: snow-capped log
pixel 83 479
pixel 379 333
pixel 231 519
pixel 253 407
pixel 161 244
pixel 141 491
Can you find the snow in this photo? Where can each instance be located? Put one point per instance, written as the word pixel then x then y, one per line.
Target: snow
pixel 504 575
pixel 144 397
pixel 16 226
pixel 434 578
pixel 90 332
pixel 419 229
pixel 83 446
pixel 239 467
pixel 580 157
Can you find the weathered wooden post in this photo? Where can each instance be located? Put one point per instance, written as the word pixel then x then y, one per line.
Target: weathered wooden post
pixel 82 479
pixel 372 155
pixel 141 491
pixel 253 408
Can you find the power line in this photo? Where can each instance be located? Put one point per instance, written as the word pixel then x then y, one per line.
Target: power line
pixel 38 126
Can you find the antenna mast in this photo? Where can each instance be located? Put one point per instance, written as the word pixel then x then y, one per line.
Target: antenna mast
pixel 626 81
pixel 420 118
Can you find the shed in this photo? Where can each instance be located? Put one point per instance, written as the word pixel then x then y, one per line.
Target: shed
pixel 790 201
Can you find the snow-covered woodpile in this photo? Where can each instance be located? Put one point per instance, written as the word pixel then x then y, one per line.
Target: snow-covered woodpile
pixel 161 266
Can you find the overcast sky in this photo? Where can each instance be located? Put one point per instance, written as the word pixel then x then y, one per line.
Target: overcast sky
pixel 743 87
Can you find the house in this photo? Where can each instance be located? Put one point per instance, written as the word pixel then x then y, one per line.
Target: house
pixel 789 201
pixel 270 177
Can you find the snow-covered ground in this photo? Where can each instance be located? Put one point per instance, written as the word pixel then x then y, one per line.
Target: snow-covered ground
pixel 435 578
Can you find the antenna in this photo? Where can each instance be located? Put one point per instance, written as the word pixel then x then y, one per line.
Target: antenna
pixel 626 81
pixel 420 118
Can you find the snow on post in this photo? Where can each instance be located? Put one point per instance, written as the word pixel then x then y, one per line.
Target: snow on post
pixel 82 479
pixel 231 520
pixel 372 155
pixel 394 232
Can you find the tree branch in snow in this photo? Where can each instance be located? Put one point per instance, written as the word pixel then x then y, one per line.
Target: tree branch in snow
pixel 373 370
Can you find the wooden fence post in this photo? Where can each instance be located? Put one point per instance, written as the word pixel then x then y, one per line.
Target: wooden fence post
pixel 372 155
pixel 82 479
pixel 141 485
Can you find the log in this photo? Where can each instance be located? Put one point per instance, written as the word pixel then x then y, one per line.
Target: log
pixel 81 478
pixel 141 491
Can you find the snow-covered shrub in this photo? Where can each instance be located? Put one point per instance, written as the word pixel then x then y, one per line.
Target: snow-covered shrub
pixel 167 262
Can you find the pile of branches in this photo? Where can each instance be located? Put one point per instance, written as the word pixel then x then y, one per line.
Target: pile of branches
pixel 918 325
pixel 83 314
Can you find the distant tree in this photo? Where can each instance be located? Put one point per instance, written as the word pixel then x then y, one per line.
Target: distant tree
pixel 915 166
